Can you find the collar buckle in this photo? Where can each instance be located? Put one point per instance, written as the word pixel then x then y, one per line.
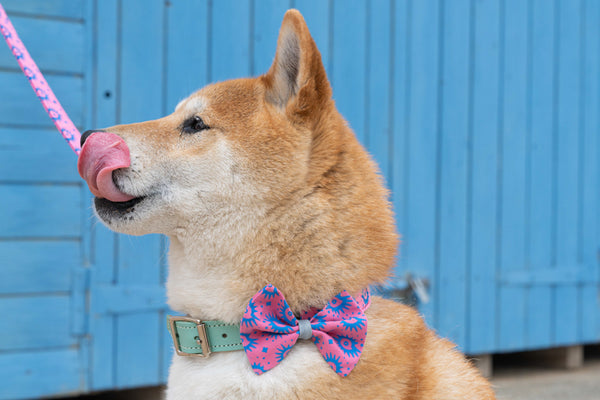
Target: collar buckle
pixel 201 339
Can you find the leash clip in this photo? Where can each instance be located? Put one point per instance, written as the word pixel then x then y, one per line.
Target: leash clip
pixel 202 338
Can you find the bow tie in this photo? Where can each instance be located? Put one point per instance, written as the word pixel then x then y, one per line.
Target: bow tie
pixel 269 330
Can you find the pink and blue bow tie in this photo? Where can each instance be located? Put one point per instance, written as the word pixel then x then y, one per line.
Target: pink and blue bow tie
pixel 269 330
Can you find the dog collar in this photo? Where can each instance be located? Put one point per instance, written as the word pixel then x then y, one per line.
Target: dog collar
pixel 197 338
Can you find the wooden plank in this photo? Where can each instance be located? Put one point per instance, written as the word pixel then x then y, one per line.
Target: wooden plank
pixel 349 65
pixel 24 107
pixel 54 8
pixel 230 40
pixel 512 315
pixel 106 97
pixel 56 46
pixel 379 90
pixel 590 321
pixel 40 211
pixel 131 298
pixel 36 322
pixel 141 44
pixel 145 348
pixel 37 266
pixel 557 275
pixel 420 228
pixel 41 373
pixel 140 264
pixel 567 138
pixel 454 145
pixel 401 28
pixel 317 14
pixel 267 17
pixel 539 297
pixel 183 78
pixel 483 175
pixel 37 155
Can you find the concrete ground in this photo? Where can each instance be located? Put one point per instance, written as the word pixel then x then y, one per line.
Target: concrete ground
pixel 536 383
pixel 513 379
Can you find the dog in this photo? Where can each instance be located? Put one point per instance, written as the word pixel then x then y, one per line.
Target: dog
pixel 260 184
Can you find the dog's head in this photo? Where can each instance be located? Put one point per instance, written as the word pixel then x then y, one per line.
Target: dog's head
pixel 270 155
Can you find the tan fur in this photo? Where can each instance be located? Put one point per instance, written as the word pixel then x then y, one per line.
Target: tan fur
pixel 280 191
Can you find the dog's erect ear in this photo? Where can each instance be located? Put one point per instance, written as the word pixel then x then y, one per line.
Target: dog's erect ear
pixel 297 76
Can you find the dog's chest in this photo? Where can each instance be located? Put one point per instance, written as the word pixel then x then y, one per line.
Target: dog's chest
pixel 229 376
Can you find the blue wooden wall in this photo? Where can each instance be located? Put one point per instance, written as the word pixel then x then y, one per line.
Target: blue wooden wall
pixel 483 115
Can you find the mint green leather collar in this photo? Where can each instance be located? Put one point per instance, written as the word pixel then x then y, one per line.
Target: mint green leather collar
pixel 193 337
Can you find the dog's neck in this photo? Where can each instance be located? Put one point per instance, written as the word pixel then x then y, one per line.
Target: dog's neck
pixel 204 276
pixel 218 263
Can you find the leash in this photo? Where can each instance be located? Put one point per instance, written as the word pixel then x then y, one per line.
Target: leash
pixel 39 85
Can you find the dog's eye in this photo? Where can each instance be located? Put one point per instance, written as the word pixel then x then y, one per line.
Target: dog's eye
pixel 193 125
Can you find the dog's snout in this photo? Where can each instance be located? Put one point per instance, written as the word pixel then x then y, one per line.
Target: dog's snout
pixel 87 134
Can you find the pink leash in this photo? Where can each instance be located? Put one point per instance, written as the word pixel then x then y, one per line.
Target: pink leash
pixel 41 88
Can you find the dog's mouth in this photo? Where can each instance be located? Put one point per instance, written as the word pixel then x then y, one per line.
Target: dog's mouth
pixel 109 210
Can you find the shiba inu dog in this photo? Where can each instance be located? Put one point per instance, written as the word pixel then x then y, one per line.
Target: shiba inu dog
pixel 261 181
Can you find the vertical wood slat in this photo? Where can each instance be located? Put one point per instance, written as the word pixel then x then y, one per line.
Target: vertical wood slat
pixel 513 157
pixel 453 162
pixel 348 76
pixel 539 300
pixel 567 167
pixel 378 93
pixel 400 30
pixel 187 49
pixel 230 55
pixel 483 175
pixel 590 321
pixel 420 229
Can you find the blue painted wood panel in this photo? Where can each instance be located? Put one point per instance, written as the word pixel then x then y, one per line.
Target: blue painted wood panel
pixel 44 220
pixel 34 211
pixel 483 177
pixel 71 9
pixel 542 42
pixel 482 114
pixel 24 110
pixel 21 151
pixel 50 42
pixel 37 322
pixel 38 266
pixel 40 373
pixel 590 174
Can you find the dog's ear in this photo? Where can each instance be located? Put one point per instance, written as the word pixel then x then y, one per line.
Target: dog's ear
pixel 297 80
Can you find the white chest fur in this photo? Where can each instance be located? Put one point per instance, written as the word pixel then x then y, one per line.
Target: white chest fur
pixel 229 376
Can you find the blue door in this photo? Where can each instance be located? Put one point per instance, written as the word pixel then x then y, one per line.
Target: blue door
pixel 483 116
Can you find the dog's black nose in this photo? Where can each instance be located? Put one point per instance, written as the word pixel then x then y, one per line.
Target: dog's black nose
pixel 87 134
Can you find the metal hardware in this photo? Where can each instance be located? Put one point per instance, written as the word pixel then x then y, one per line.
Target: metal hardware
pixel 409 290
pixel 419 287
pixel 202 337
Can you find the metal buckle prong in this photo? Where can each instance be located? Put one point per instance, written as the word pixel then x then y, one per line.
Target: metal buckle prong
pixel 202 337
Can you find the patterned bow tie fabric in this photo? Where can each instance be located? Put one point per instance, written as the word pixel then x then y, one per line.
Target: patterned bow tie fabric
pixel 269 330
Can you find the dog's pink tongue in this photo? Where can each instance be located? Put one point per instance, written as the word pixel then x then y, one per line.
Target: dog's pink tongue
pixel 102 153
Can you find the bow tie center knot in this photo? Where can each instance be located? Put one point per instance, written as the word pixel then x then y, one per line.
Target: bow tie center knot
pixel 305 331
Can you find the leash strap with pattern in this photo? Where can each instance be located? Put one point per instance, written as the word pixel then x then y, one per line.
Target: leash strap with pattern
pixel 37 81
